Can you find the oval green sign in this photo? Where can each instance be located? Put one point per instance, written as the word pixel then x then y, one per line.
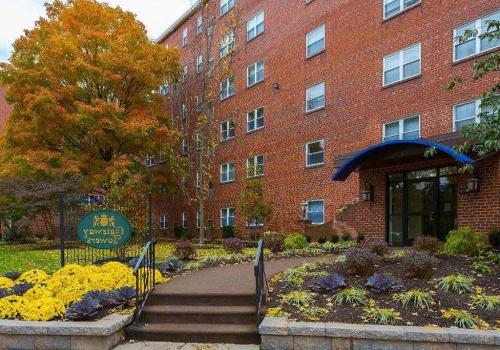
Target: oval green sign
pixel 104 229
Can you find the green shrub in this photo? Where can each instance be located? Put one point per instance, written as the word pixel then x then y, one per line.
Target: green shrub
pixel 375 314
pixel 185 250
pixel 377 247
pixel 456 283
pixel 464 319
pixel 233 245
pixel 418 298
pixel 321 239
pixel 463 242
pixel 351 296
pixel 361 261
pixel 273 241
pixel 494 237
pixel 298 298
pixel 346 236
pixel 228 232
pixel 334 238
pixel 419 265
pixel 295 241
pixel 361 237
pixel 481 267
pixel 483 301
pixel 308 238
pixel 427 244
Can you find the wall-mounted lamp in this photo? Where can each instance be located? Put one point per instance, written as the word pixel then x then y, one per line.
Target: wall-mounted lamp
pixel 473 184
pixel 276 86
pixel 303 207
pixel 367 193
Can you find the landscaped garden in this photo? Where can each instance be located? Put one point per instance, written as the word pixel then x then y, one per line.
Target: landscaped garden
pixel 455 284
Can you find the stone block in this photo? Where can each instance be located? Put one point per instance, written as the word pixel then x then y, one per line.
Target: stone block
pixel 306 328
pixel 471 336
pixel 383 332
pixel 277 342
pixel 274 326
pixel 427 334
pixel 52 342
pixel 361 344
pixel 434 346
pixel 343 330
pixel 476 347
pixel 391 345
pixel 19 342
pixel 311 343
pixel 341 344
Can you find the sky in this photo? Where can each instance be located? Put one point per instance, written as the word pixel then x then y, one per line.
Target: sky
pixel 17 15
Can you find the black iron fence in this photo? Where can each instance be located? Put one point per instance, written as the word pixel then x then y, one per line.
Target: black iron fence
pixel 72 208
pixel 261 285
pixel 144 272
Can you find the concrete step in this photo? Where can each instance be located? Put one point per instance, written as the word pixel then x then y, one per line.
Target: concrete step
pixel 195 332
pixel 198 314
pixel 202 299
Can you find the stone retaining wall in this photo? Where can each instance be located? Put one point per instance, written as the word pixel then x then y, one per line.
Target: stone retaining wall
pixel 281 334
pixel 58 335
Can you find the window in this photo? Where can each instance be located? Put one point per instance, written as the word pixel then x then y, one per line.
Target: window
pixel 227 130
pixel 165 89
pixel 254 223
pixel 402 65
pixel 198 180
pixel 315 97
pixel 184 37
pixel 316 212
pixel 255 119
pixel 199 103
pixel 211 190
pixel 315 41
pixel 255 26
pixel 255 73
pixel 198 219
pixel 199 25
pixel 315 153
pixel 184 220
pixel 150 160
pixel 227 172
pixel 226 217
pixel 184 147
pixel 184 111
pixel 199 64
pixel 199 142
pixel 227 88
pixel 226 45
pixel 393 7
pixel 403 129
pixel 255 166
pixel 226 6
pixel 163 156
pixel 185 74
pixel 163 222
pixel 466 114
pixel 475 45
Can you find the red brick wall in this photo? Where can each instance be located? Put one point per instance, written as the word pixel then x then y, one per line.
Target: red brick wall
pixel 4 108
pixel 357 39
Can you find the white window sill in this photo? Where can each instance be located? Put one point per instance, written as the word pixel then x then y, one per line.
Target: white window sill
pixel 402 81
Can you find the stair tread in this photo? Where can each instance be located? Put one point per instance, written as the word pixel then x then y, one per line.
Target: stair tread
pixel 190 309
pixel 189 328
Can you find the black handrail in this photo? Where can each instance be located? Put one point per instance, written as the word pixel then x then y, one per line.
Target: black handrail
pixel 144 272
pixel 261 285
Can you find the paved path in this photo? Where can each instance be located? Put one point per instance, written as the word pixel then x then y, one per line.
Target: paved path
pixel 139 345
pixel 232 279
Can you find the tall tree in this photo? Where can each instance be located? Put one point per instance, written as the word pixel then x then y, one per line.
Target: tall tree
pixel 193 96
pixel 84 86
pixel 253 204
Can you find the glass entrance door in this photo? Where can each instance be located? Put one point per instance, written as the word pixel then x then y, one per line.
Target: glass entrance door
pixel 421 202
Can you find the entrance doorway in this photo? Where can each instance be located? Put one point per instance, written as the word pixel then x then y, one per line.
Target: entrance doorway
pixel 421 202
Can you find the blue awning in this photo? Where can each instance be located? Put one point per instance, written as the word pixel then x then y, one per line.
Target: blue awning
pixel 360 157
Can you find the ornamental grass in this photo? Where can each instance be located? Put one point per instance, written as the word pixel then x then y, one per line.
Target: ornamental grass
pixel 50 296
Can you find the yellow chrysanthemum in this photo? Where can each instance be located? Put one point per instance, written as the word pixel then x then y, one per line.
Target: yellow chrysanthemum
pixel 38 292
pixel 42 310
pixel 10 305
pixel 33 276
pixel 6 283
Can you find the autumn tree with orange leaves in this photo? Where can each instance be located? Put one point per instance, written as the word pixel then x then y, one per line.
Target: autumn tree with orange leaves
pixel 84 87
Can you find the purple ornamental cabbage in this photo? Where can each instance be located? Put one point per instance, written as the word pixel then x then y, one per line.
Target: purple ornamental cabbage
pixel 329 284
pixel 124 296
pixel 84 310
pixel 382 283
pixel 21 288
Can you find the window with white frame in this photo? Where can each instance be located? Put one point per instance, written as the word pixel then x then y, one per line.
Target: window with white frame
pixel 184 37
pixel 315 97
pixel 402 65
pixel 315 153
pixel 254 223
pixel 226 44
pixel 403 129
pixel 255 119
pixel 227 130
pixel 199 24
pixel 474 45
pixel 226 6
pixel 315 41
pixel 255 166
pixel 184 220
pixel 199 142
pixel 227 88
pixel 184 111
pixel 199 64
pixel 163 222
pixel 227 172
pixel 316 212
pixel 165 89
pixel 393 7
pixel 198 219
pixel 184 147
pixel 255 73
pixel 255 25
pixel 199 103
pixel 466 114
pixel 198 180
pixel 185 74
pixel 150 160
pixel 227 217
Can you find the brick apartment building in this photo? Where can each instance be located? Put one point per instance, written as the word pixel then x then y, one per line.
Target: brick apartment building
pixel 333 103
pixel 4 108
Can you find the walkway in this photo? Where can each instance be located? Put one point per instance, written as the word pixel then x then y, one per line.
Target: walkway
pixel 140 345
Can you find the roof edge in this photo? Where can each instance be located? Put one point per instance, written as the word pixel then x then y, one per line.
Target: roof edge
pixel 178 22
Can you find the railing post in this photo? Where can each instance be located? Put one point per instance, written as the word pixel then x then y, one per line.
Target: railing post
pixel 150 218
pixel 61 226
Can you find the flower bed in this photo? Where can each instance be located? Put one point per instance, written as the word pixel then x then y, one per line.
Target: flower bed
pixel 453 291
pixel 73 292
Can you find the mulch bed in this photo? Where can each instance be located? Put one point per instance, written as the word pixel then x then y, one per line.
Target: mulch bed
pixel 489 282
